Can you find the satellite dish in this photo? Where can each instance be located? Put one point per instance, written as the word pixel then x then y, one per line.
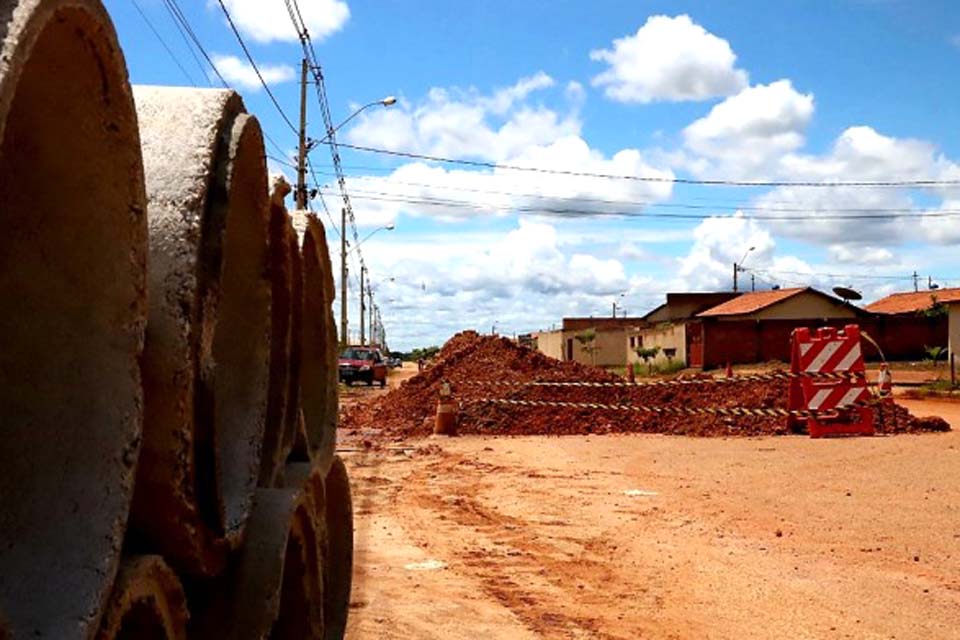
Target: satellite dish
pixel 775 287
pixel 847 293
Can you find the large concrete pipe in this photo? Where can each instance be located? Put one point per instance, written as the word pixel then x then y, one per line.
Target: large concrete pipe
pixel 318 373
pixel 274 589
pixel 275 451
pixel 331 498
pixel 148 603
pixel 72 281
pixel 294 414
pixel 206 359
pixel 338 558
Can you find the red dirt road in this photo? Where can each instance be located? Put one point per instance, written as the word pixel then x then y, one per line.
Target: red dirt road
pixel 646 536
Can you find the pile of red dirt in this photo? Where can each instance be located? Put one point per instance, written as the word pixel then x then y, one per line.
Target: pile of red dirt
pixel 471 362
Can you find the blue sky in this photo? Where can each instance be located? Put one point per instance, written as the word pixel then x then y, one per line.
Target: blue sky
pixel 748 91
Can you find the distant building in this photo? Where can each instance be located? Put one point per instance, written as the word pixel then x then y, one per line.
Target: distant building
pixel 607 349
pixel 673 326
pixel 919 319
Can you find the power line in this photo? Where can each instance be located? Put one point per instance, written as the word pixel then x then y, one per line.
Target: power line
pixel 655 179
pixel 379 196
pixel 647 203
pixel 163 42
pixel 186 42
pixel 178 14
pixel 256 70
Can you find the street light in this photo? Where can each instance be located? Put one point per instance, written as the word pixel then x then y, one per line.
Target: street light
pixel 387 227
pixel 343 273
pixel 738 266
pixel 384 102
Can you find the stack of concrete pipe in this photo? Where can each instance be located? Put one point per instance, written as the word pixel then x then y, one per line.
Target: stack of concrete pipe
pixel 167 359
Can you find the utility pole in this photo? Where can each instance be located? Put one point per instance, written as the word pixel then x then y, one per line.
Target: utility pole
pixel 301 194
pixel 735 270
pixel 370 310
pixel 343 277
pixel 363 338
pixel 916 281
pixel 753 282
pixel 614 308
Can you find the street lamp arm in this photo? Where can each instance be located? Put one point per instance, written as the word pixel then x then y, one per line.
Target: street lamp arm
pixel 386 102
pixel 388 227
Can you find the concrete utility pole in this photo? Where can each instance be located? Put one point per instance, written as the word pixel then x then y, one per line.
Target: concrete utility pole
pixel 343 277
pixel 916 281
pixel 363 337
pixel 736 270
pixel 301 195
pixel 370 311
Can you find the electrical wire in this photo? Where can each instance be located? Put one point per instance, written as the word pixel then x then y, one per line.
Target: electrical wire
pixel 246 51
pixel 163 42
pixel 649 204
pixel 655 179
pixel 179 16
pixel 573 212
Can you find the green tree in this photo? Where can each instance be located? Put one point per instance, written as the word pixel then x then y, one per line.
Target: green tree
pixel 647 355
pixel 588 343
pixel 933 355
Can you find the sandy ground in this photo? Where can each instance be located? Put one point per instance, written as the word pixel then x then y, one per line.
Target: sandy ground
pixel 638 536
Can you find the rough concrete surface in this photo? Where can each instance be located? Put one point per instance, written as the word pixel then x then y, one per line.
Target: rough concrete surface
pixel 318 373
pixel 273 588
pixel 206 186
pixel 293 416
pixel 281 279
pixel 148 603
pixel 73 268
pixel 338 558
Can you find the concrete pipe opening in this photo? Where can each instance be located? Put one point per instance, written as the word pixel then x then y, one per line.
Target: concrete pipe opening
pixel 338 556
pixel 148 603
pixel 206 359
pixel 318 365
pixel 72 282
pixel 294 415
pixel 241 343
pixel 274 454
pixel 274 588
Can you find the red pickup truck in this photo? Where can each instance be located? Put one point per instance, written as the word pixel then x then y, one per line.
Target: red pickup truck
pixel 362 364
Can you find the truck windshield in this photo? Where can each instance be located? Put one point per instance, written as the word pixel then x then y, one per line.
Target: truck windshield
pixel 356 354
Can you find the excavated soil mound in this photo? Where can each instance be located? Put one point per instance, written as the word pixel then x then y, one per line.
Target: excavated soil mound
pixel 468 358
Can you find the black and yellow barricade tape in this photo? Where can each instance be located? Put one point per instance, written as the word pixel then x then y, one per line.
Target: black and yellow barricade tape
pixel 758 412
pixel 750 377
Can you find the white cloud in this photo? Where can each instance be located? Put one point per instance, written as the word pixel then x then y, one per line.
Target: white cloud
pixel 241 74
pixel 522 279
pixel 503 128
pixel 846 254
pixel 468 124
pixel 268 20
pixel 420 189
pixel 669 59
pixel 718 242
pixel 741 136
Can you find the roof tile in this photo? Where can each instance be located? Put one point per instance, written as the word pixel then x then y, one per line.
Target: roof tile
pixel 912 301
pixel 751 302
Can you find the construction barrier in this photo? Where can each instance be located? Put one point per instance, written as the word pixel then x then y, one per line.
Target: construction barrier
pixel 838 406
pixel 73 260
